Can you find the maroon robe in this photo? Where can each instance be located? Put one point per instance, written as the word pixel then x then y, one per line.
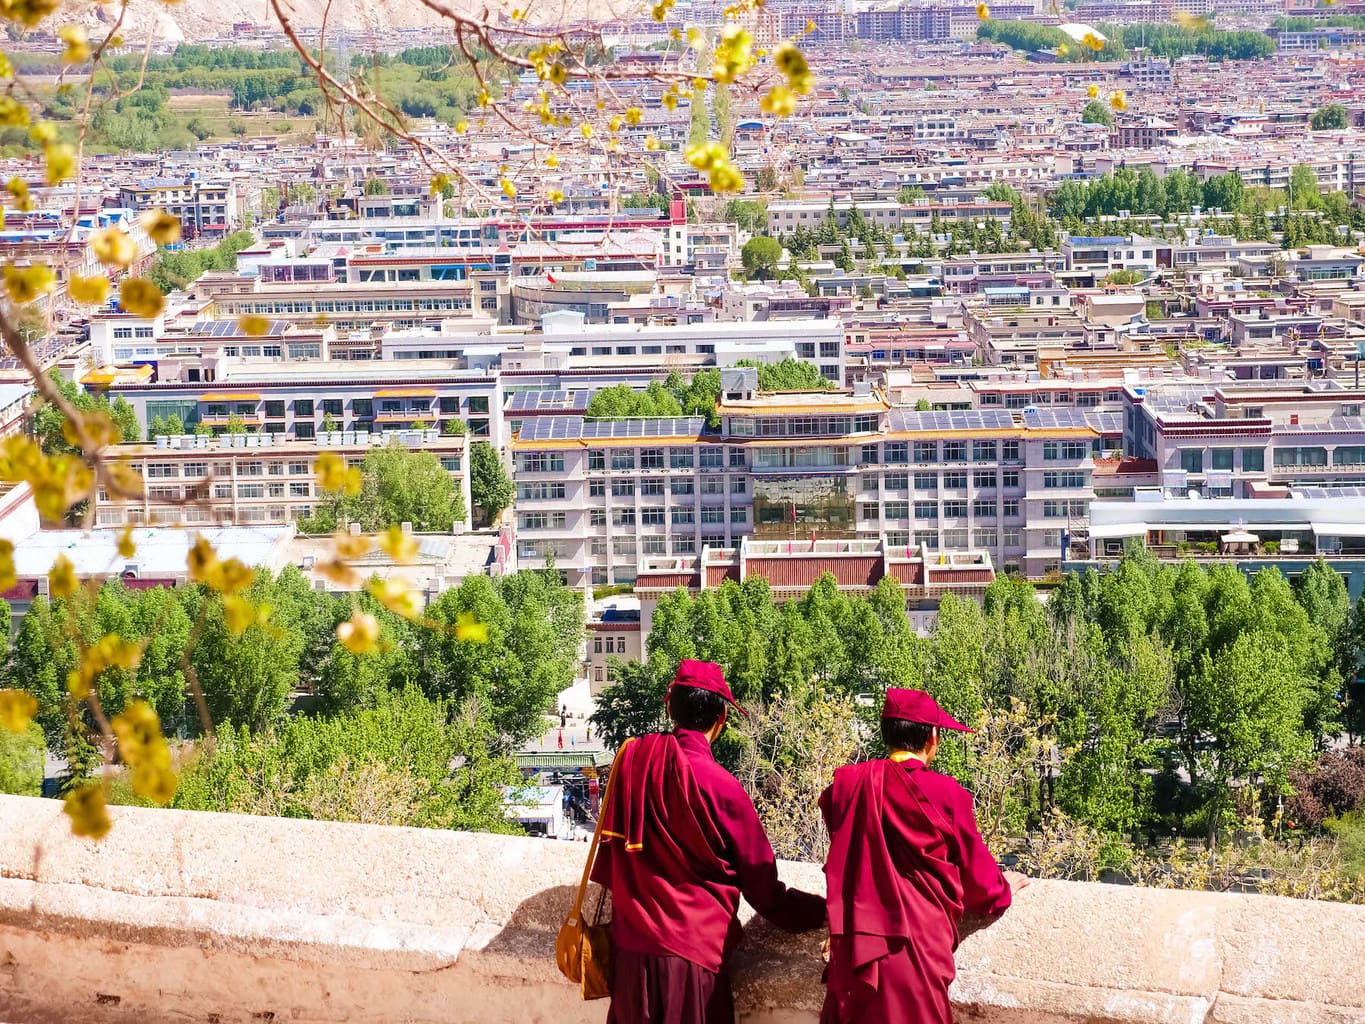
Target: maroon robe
pixel 905 862
pixel 681 842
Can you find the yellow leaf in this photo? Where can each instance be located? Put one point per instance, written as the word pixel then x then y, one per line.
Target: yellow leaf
pixel 334 475
pixel 634 115
pixel 202 560
pixel 155 783
pixel 124 480
pixel 18 188
pixel 360 633
pixel 1092 91
pixel 17 709
pixel 126 546
pixel 983 12
pixel 397 596
pixel 238 614
pixel 62 578
pixel 231 576
pixel 86 808
pixel 139 297
pixel 88 291
pixel 161 227
pixel 138 729
pixel 469 628
pixel 59 161
pixel 400 546
pixel 77 44
pixel 551 160
pixel 349 545
pixel 461 127
pixel 585 130
pixel 24 284
pixel 13 114
pixel 253 326
pixel 508 189
pixel 113 247
pixel 7 574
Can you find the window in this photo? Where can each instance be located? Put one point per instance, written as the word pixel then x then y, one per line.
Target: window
pixel 684 545
pixel 542 520
pixel 736 458
pixel 622 488
pixel 251 490
pixel 1010 509
pixel 540 491
pixel 983 478
pixel 597 517
pixel 161 470
pixel 1191 460
pixel 597 461
pixel 983 451
pixel 955 480
pixel 683 517
pixel 623 546
pixel 275 469
pixel 1253 460
pixel 651 517
pixel 1221 458
pixel 713 485
pixel 681 488
pixel 955 538
pixel 623 517
pixel 712 458
pixel 1349 455
pixel 332 406
pixel 274 410
pixel 1064 478
pixel 362 408
pixel 298 490
pixel 299 469
pixel 250 469
pixel 954 510
pixel 1009 451
pixel 954 451
pixel 680 460
pixel 449 406
pixel 655 545
pixel 711 516
pixel 926 482
pixel 739 516
pixel 1300 456
pixel 868 455
pixel 1065 450
pixel 195 469
pixel 897 510
pixel 926 510
pixel 896 481
pixel 305 431
pixel 738 485
pixel 925 451
pixel 653 488
pixel 983 509
pixel 985 538
pixel 303 407
pixel 1012 538
pixel 541 462
pixel 927 539
pixel 621 460
pixel 652 458
pixel 597 488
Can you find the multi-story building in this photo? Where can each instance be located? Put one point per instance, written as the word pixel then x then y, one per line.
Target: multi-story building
pixel 253 479
pixel 599 496
pixel 1248 440
pixel 205 208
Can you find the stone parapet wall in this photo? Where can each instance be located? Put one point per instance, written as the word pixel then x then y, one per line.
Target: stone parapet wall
pixel 224 919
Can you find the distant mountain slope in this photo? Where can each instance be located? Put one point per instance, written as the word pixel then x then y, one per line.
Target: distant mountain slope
pixel 197 20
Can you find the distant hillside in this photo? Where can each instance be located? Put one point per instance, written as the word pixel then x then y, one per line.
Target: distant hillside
pixel 197 20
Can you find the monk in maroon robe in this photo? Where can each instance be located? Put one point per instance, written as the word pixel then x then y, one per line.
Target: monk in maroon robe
pixel 681 842
pixel 906 861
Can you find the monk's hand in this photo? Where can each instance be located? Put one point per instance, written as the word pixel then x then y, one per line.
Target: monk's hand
pixel 824 950
pixel 1016 880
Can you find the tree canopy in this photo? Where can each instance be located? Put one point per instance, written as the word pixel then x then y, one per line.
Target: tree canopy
pixel 400 485
pixel 490 486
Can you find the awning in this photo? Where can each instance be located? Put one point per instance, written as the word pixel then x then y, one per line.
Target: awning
pixel 1240 537
pixel 406 393
pixel 1104 530
pixel 1339 529
pixel 230 396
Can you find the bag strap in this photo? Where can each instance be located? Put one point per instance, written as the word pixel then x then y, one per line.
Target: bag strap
pixel 577 910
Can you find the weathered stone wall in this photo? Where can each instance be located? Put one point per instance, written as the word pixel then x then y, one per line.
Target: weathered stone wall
pixel 220 919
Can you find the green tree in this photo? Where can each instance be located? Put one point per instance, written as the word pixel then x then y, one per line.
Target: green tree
pixel 788 375
pixel 1303 187
pixel 376 186
pixel 47 424
pixel 1331 116
pixel 399 485
pixel 761 256
pixel 21 761
pixel 1096 112
pixel 490 486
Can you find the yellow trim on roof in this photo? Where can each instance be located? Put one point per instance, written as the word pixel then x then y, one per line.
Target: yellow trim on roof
pixel 230 396
pixel 406 393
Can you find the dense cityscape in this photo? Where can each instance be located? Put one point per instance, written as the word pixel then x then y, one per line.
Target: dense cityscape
pixel 1010 352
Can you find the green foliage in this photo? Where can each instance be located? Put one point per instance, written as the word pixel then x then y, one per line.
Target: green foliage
pixel 164 426
pixel 375 186
pixel 21 761
pixel 408 760
pixel 761 256
pixel 788 375
pixel 1096 112
pixel 1331 116
pixel 47 423
pixel 621 401
pixel 399 486
pixel 490 485
pixel 749 214
pixel 180 269
pixel 1143 193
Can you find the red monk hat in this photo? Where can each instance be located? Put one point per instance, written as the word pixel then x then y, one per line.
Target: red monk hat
pixel 918 706
pixel 705 675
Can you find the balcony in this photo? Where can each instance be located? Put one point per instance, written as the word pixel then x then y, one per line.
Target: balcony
pixel 191 917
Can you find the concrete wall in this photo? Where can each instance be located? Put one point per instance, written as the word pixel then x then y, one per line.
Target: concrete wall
pixel 182 917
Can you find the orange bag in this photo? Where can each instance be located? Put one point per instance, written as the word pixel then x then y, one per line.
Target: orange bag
pixel 582 950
